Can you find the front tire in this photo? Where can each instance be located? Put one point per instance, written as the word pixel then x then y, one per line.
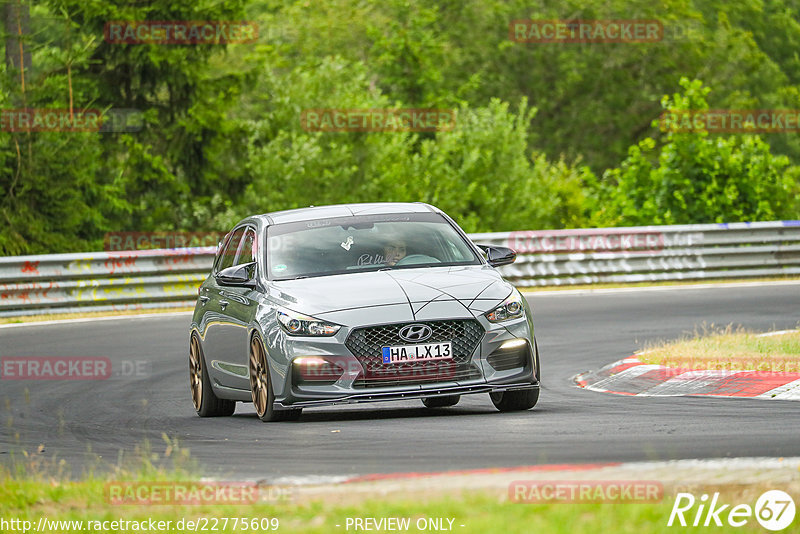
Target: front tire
pixel 514 401
pixel 206 403
pixel 261 386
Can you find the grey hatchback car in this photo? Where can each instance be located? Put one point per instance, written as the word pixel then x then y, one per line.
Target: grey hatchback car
pixel 358 303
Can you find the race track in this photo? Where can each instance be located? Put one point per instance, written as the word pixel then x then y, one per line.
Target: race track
pixel 576 332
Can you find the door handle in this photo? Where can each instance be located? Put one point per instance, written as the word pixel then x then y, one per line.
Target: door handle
pixel 223 304
pixel 204 299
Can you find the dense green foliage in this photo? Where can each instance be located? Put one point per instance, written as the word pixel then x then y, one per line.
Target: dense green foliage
pixel 698 177
pixel 546 136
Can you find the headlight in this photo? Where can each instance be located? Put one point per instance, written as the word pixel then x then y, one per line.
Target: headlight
pixel 296 324
pixel 510 309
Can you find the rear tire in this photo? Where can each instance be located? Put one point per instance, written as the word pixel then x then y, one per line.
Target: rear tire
pixel 441 402
pixel 206 404
pixel 261 386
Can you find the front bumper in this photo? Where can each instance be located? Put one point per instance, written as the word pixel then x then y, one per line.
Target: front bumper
pixel 435 390
pixel 497 371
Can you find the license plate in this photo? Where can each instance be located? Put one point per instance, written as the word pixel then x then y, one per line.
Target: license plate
pixel 411 353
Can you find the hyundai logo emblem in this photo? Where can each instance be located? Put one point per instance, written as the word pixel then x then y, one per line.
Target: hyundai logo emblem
pixel 415 333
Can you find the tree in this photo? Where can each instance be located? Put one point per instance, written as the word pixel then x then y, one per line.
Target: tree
pixel 697 177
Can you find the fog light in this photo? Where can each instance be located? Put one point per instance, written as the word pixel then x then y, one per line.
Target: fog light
pixel 511 354
pixel 513 344
pixel 316 369
pixel 310 361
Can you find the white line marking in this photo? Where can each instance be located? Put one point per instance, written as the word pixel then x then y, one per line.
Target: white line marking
pixel 791 464
pixel 778 333
pixel 310 480
pixel 92 319
pixel 630 372
pixel 790 391
pixel 530 290
pixel 688 383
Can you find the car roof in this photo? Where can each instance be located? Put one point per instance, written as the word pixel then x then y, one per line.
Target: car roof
pixel 346 210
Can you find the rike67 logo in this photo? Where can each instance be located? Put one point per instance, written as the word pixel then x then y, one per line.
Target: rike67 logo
pixel 774 510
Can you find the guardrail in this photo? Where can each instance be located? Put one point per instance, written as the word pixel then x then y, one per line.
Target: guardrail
pixel 62 283
pixel 99 281
pixel 651 253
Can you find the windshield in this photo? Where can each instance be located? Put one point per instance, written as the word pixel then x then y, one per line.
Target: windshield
pixel 365 243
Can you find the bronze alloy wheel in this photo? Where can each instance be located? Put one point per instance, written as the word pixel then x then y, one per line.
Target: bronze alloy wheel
pixel 206 403
pixel 261 389
pixel 259 377
pixel 196 373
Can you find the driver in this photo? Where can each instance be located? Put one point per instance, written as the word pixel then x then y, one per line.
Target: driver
pixel 394 251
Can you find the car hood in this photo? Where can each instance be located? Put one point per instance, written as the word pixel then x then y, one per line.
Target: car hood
pixel 395 295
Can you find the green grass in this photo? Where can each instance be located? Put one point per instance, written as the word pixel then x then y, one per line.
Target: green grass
pixel 479 512
pixel 34 486
pixel 728 349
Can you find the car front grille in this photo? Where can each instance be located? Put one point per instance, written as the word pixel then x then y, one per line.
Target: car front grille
pixel 366 345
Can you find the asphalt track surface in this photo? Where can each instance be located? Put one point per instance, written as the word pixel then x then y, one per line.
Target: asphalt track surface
pixel 576 332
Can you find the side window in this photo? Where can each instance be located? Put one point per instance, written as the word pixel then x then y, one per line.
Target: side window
pixel 218 253
pixel 246 252
pixel 229 252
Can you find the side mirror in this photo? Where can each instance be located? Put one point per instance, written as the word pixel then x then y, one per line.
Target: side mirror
pixel 238 275
pixel 497 256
